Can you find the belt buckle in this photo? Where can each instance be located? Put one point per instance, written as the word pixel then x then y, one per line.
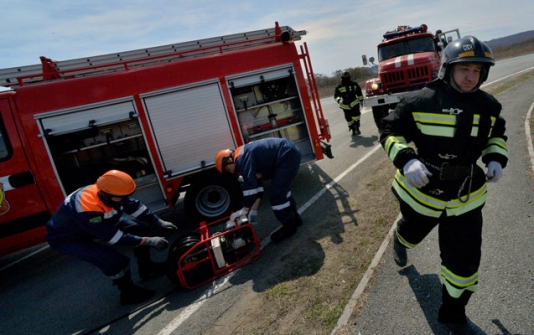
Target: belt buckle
pixel 443 171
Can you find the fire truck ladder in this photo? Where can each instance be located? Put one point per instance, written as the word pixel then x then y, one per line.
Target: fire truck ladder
pixel 121 61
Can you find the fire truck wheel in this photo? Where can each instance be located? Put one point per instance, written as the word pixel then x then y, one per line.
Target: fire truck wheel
pixel 212 197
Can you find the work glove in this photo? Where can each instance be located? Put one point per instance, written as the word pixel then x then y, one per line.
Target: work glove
pixel 416 173
pixel 253 217
pixel 242 212
pixel 494 171
pixel 166 225
pixel 159 243
pixel 340 101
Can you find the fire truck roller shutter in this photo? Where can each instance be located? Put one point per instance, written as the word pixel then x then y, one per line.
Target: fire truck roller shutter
pixel 70 120
pixel 190 124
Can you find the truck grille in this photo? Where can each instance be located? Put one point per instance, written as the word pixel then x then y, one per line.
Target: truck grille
pixel 413 77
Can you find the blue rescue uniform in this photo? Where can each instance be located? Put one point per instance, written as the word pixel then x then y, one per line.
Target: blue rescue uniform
pixel 85 227
pixel 275 159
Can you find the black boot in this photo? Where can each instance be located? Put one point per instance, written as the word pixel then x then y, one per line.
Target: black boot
pixel 288 229
pixel 353 129
pixel 298 219
pixel 130 293
pixel 452 313
pixel 147 268
pixel 399 252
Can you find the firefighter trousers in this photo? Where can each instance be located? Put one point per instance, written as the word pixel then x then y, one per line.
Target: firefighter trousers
pixel 352 116
pixel 287 167
pixel 460 241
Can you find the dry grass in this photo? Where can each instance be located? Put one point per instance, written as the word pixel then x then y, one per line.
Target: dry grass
pixel 308 288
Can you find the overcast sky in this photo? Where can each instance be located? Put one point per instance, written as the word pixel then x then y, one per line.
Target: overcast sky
pixel 339 32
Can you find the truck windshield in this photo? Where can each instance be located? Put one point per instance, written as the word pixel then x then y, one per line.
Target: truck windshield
pixel 406 47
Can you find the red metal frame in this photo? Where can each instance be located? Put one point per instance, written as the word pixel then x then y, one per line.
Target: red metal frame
pixel 205 245
pixel 314 94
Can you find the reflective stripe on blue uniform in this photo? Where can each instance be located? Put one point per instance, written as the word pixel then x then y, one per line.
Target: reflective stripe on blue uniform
pixel 274 159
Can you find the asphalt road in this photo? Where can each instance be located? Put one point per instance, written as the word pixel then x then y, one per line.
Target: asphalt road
pixel 42 292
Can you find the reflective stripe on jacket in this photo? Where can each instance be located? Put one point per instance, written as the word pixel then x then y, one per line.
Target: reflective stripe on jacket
pixel 446 127
pixel 351 94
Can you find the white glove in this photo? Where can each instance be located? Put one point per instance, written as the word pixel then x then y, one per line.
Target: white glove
pixel 340 101
pixel 494 171
pixel 166 225
pixel 253 217
pixel 159 243
pixel 416 173
pixel 242 212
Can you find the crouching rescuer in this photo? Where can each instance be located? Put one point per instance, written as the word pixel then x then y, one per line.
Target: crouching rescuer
pixel 89 223
pixel 275 159
pixel 452 124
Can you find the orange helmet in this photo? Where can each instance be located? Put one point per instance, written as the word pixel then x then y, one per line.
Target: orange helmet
pixel 221 159
pixel 115 182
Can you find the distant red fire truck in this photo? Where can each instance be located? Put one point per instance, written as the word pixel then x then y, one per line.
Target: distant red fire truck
pixel 408 58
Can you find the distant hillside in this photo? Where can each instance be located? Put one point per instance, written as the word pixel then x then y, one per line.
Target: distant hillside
pixel 513 45
pixel 505 42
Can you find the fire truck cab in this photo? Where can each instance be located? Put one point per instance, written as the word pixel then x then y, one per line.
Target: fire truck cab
pixel 408 58
pixel 160 114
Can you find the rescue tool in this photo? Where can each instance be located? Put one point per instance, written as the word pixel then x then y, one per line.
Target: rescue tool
pixel 212 251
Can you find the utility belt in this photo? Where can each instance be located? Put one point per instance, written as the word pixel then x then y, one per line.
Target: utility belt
pixel 447 171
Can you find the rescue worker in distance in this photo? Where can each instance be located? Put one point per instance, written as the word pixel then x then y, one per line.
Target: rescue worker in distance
pixel 452 123
pixel 275 159
pixel 348 95
pixel 89 222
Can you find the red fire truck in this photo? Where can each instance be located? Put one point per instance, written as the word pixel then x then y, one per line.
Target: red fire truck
pixel 159 114
pixel 408 58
